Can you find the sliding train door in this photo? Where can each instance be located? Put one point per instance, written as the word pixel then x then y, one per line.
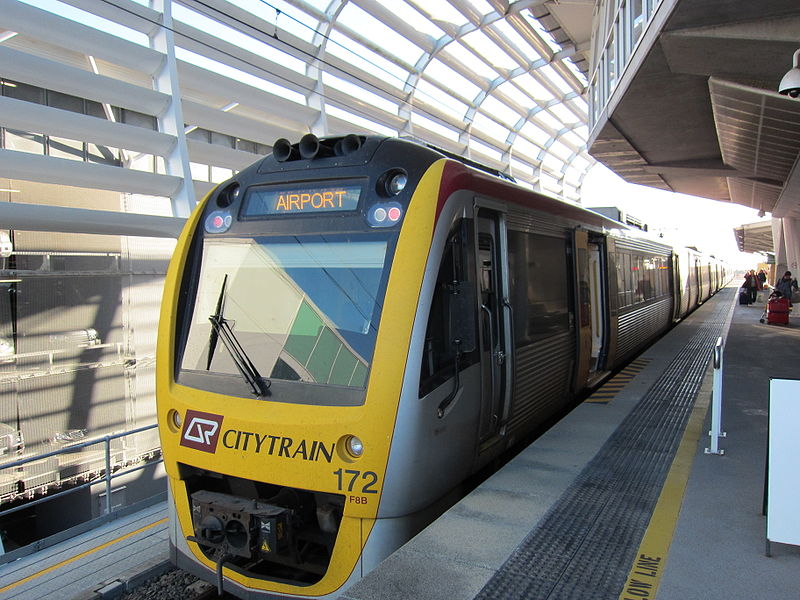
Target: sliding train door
pixel 495 321
pixel 591 296
pixel 596 255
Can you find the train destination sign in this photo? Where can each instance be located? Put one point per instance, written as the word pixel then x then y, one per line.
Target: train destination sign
pixel 301 200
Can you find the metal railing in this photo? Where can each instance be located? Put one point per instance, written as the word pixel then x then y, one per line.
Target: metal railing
pixel 109 474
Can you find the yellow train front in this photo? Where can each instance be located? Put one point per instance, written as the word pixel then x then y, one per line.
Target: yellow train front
pixel 284 335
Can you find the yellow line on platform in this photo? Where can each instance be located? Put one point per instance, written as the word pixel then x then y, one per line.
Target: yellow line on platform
pixel 80 556
pixel 648 567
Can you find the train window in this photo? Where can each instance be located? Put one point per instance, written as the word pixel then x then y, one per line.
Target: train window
pixel 538 286
pixel 438 356
pixel 620 269
pixel 305 308
pixel 630 265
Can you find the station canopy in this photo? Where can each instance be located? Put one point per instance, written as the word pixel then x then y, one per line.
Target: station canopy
pixel 485 79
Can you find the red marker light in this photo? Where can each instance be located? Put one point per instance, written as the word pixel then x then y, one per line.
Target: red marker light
pixel 394 214
pixel 218 221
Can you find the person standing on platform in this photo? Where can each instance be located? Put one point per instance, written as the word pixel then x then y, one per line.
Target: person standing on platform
pixel 751 285
pixel 762 278
pixel 785 285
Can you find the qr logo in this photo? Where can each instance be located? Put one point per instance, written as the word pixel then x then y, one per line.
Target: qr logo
pixel 201 431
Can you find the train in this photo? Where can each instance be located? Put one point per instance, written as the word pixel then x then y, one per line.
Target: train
pixel 353 326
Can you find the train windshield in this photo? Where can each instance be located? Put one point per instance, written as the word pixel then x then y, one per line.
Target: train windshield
pixel 303 308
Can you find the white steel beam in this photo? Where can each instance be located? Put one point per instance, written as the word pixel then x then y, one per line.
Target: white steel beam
pixel 171 122
pixel 220 156
pixel 38 118
pixel 41 72
pixel 236 125
pixel 35 217
pixel 44 25
pixel 48 169
pixel 125 12
pixel 210 83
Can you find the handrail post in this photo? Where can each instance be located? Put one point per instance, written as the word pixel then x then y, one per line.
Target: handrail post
pixel 108 474
pixel 716 403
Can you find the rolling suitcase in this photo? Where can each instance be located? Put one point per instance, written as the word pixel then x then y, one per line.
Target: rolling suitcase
pixel 778 311
pixel 744 296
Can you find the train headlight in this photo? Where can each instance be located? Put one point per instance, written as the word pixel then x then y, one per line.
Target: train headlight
pixel 354 446
pixel 396 183
pixel 174 420
pixel 392 182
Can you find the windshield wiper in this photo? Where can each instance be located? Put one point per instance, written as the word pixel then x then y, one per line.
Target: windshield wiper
pixel 221 330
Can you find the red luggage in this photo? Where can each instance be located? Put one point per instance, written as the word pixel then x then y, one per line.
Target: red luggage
pixel 778 311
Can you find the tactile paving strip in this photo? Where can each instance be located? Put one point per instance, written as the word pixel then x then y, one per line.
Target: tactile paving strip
pixel 584 547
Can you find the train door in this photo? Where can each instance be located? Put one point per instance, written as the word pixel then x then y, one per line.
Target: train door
pixel 597 301
pixel 584 308
pixel 495 327
pixel 694 282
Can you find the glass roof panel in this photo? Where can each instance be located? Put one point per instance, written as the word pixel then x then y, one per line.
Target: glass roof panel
pixel 570 137
pixel 488 126
pixel 285 16
pixel 422 121
pixel 440 99
pixel 379 34
pixel 515 94
pixel 552 163
pixel 238 75
pixel 484 149
pixel 545 118
pixel 520 169
pixel 560 150
pixel 359 92
pixel 363 58
pixel 453 81
pixel 525 150
pixel 566 116
pixel 537 91
pixel 493 106
pixel 320 5
pixel 85 18
pixel 482 6
pixel 441 10
pixel 553 77
pixel 470 60
pixel 237 38
pixel 580 103
pixel 514 37
pixel 532 131
pixel 410 15
pixel 481 43
pixel 365 124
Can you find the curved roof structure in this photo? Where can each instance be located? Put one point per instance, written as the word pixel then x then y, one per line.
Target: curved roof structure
pixel 481 78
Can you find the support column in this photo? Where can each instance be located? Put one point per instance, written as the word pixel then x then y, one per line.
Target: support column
pixel 781 263
pixel 171 120
pixel 791 240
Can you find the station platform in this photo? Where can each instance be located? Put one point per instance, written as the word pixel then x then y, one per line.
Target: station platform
pixel 100 563
pixel 617 500
pixel 620 499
